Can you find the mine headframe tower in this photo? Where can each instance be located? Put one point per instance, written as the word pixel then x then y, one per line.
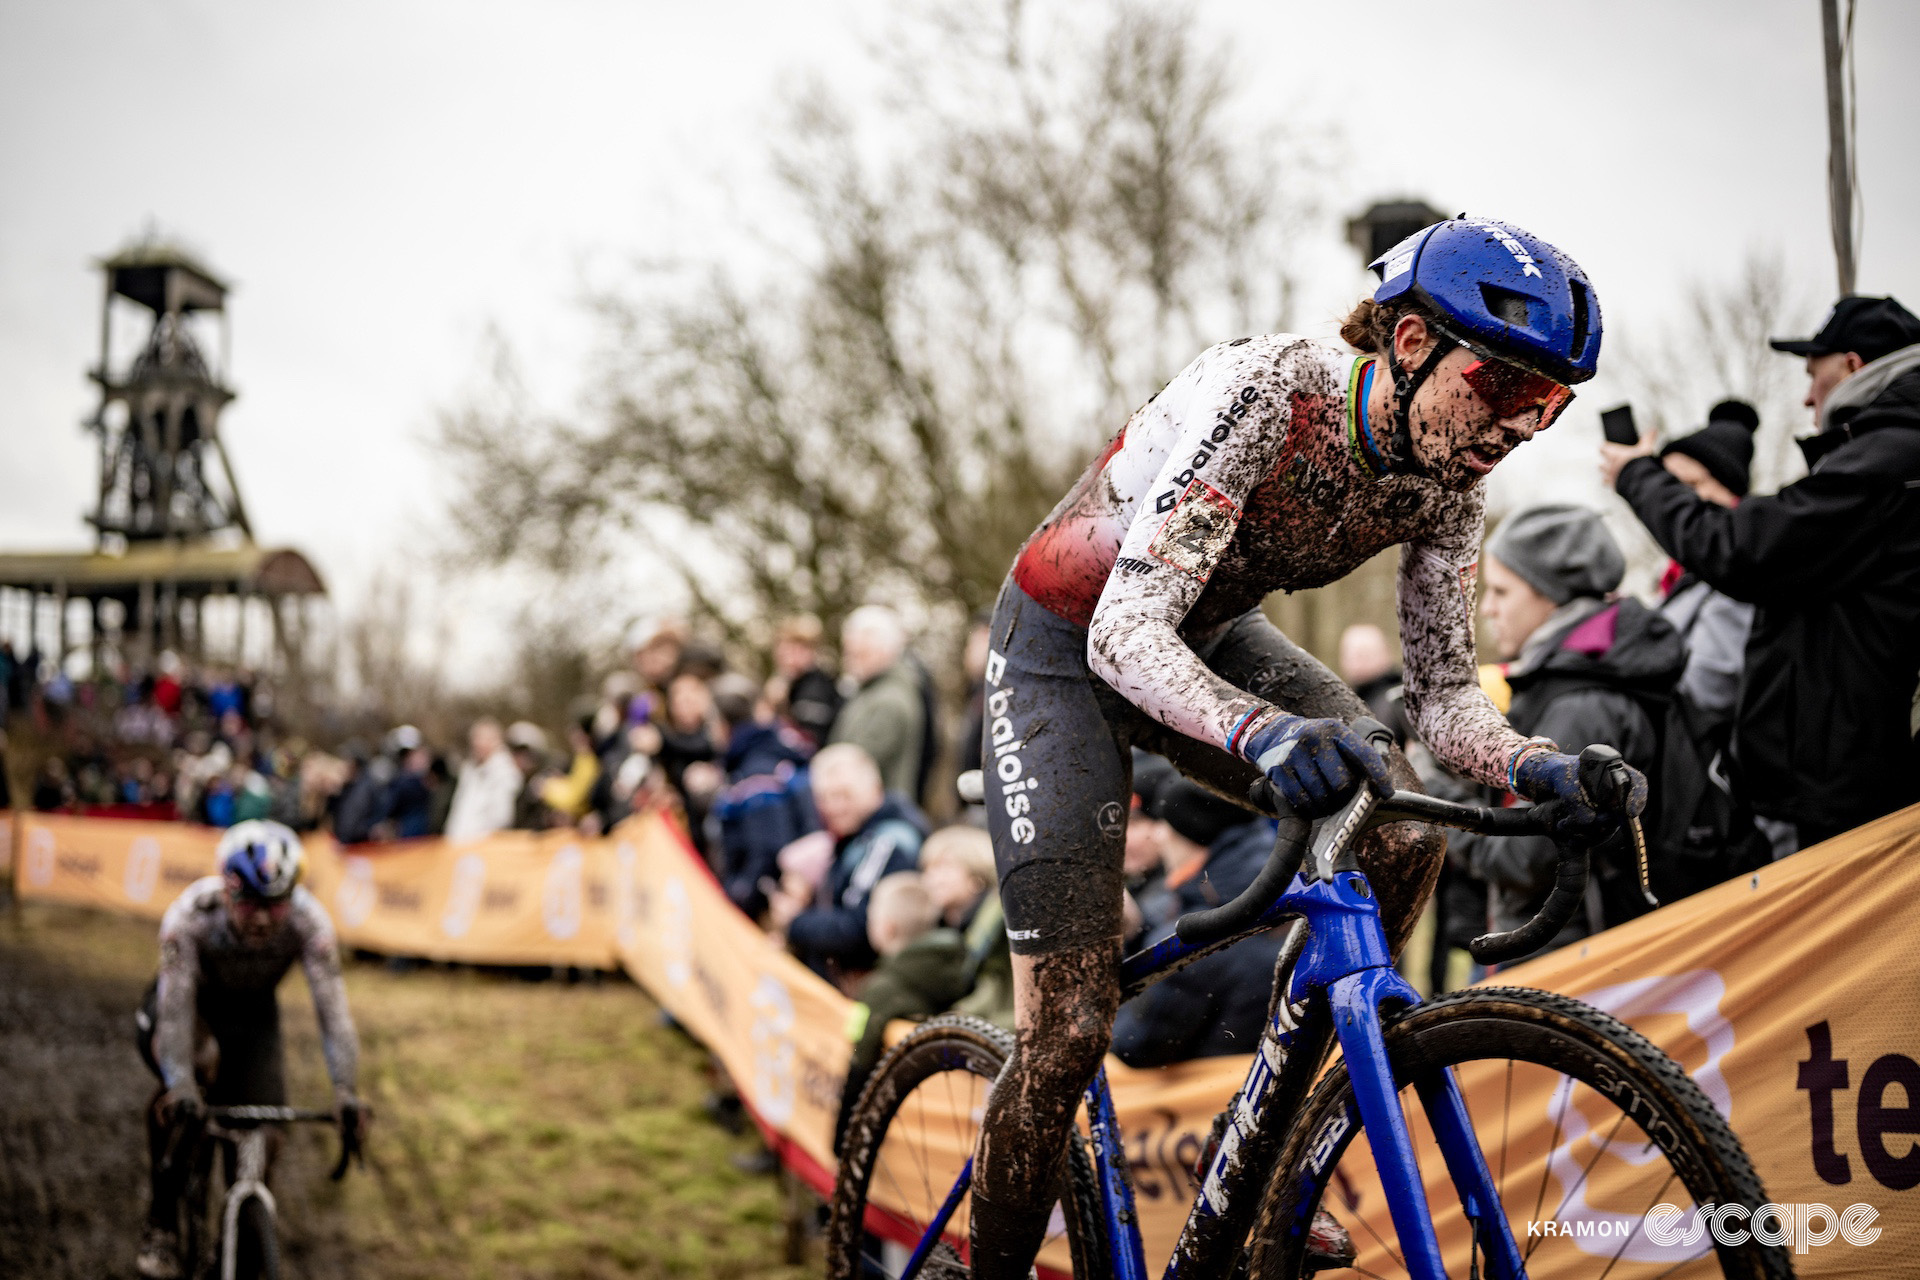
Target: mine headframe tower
pixel 159 414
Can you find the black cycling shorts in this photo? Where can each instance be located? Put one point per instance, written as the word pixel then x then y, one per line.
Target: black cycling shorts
pixel 245 1027
pixel 1058 766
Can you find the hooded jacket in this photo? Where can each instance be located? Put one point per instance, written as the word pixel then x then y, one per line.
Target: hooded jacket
pixel 1824 730
pixel 834 930
pixel 1580 684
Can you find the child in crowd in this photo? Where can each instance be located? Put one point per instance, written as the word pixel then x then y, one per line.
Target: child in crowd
pixel 956 865
pixel 922 971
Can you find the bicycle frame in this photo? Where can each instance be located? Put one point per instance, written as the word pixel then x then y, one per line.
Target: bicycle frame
pixel 243 1127
pixel 1342 981
pixel 249 1183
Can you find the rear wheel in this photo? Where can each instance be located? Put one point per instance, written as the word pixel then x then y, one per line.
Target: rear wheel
pixel 1586 1126
pixel 256 1248
pixel 909 1136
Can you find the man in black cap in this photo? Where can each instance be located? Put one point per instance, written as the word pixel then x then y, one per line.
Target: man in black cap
pixel 1824 730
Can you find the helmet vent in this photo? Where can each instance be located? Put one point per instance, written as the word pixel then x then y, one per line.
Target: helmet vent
pixel 1579 343
pixel 1505 305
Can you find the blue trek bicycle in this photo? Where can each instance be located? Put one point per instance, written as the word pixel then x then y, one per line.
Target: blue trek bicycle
pixel 1509 1132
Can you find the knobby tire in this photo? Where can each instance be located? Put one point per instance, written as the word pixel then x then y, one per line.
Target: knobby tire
pixel 257 1248
pixel 949 1043
pixel 1517 1025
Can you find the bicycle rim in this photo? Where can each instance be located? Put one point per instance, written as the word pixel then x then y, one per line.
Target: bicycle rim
pixel 1585 1125
pixel 911 1133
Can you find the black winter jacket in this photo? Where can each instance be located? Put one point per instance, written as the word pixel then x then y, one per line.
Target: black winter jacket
pixel 831 935
pixel 1583 688
pixel 1823 736
pixel 1217 1005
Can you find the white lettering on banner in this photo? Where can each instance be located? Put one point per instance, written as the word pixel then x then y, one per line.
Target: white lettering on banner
pixel 626 910
pixel 1696 995
pixel 676 932
pixel 358 894
pixel 143 869
pixel 563 900
pixel 38 863
pixel 463 895
pixel 773 1053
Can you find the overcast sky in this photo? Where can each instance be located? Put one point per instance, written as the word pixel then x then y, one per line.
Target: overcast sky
pixel 383 182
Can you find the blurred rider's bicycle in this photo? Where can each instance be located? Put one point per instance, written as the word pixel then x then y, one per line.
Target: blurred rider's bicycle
pixel 1509 1132
pixel 246 1245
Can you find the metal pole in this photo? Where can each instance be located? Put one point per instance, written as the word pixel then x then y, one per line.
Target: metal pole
pixel 1839 148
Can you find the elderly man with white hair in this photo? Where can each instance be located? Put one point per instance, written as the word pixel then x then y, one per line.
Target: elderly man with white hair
pixel 874 836
pixel 887 717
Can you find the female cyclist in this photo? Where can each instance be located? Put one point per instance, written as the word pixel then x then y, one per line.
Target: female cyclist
pixel 1131 617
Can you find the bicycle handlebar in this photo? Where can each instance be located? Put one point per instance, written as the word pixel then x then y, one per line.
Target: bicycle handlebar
pixel 1603 776
pixel 349 1121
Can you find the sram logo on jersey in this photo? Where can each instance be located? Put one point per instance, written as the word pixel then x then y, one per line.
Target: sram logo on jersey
pixel 1197 533
pixel 1222 428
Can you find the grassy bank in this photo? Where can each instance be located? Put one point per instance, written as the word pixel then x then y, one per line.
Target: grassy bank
pixel 523 1129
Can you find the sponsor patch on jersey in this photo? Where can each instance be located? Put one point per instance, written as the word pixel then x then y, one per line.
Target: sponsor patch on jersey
pixel 1197 532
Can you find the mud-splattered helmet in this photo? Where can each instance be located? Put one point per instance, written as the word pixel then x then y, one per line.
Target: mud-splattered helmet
pixel 1501 286
pixel 265 857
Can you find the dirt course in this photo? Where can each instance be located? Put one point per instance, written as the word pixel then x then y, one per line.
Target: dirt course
pixel 522 1129
pixel 72 1150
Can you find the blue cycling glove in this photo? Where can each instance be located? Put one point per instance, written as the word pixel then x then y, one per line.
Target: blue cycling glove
pixel 1543 776
pixel 1315 763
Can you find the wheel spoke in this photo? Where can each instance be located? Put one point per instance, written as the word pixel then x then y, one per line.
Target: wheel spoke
pixel 1546 1165
pixel 1581 1181
pixel 1618 1253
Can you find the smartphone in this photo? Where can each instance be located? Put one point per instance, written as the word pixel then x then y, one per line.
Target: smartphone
pixel 1617 425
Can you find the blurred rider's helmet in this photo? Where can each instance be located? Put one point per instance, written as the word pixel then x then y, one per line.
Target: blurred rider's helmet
pixel 1503 287
pixel 265 857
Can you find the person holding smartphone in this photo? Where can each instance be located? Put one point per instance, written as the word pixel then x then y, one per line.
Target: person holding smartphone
pixel 1823 735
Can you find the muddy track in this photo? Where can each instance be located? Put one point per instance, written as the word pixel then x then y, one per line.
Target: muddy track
pixel 72 1146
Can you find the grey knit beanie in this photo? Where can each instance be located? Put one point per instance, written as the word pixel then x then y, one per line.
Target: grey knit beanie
pixel 1561 550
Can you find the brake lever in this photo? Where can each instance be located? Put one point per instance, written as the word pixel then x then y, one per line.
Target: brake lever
pixel 1607 782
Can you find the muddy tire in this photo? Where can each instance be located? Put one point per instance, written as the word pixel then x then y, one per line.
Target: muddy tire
pixel 946 1051
pixel 256 1247
pixel 1665 1143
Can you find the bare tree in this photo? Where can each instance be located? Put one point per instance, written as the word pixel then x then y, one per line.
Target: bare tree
pixel 1070 216
pixel 1719 349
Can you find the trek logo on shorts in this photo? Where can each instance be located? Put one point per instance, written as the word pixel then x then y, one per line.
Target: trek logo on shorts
pixel 1015 782
pixel 1197 533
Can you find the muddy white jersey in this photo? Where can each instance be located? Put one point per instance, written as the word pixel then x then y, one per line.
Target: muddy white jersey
pixel 201 955
pixel 1257 470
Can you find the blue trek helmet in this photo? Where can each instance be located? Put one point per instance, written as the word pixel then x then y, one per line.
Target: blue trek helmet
pixel 265 856
pixel 1504 287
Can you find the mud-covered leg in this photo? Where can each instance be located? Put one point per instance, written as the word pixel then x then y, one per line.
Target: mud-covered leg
pixel 1064 1004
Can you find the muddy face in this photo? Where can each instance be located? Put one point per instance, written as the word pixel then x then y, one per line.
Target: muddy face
pixel 1456 436
pixel 254 921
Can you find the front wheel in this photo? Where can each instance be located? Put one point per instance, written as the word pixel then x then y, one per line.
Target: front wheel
pixel 911 1133
pixel 1586 1127
pixel 256 1247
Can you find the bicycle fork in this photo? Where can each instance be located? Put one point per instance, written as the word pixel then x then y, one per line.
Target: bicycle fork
pixel 249 1182
pixel 1355 1001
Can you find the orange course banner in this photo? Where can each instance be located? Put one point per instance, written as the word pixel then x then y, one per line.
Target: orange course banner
pixel 1791 996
